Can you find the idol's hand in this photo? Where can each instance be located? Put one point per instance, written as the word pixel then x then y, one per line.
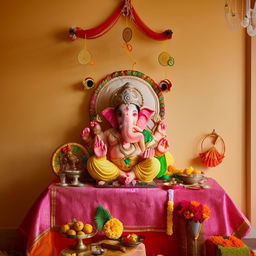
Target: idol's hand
pixel 100 148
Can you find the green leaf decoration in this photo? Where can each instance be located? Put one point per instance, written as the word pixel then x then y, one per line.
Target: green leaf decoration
pixel 148 137
pixel 163 166
pixel 127 161
pixel 102 216
pixel 76 149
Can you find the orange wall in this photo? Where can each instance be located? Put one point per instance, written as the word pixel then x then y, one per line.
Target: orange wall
pixel 42 104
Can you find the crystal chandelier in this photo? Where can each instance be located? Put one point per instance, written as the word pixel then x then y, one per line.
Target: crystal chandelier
pixel 240 12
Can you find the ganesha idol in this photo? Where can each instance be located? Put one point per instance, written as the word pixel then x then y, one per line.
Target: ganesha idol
pixel 127 151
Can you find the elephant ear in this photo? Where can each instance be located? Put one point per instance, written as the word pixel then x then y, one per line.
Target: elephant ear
pixel 144 116
pixel 110 116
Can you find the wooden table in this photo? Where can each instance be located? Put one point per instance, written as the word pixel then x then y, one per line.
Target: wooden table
pixel 139 250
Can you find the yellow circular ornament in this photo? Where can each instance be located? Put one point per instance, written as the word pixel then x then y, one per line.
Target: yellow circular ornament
pixel 163 58
pixel 84 57
pixel 77 149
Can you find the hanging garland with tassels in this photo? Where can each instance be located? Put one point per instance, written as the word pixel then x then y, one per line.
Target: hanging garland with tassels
pixel 127 10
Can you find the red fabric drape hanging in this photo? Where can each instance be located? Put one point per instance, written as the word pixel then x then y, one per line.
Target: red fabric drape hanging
pixel 167 34
pixel 109 23
pixel 101 29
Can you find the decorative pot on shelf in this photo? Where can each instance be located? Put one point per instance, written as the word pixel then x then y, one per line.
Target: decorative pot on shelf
pixel 190 216
pixel 195 227
pixel 191 238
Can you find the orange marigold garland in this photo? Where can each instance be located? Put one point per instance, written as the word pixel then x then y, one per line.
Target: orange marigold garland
pixel 170 209
pixel 227 241
pixel 226 245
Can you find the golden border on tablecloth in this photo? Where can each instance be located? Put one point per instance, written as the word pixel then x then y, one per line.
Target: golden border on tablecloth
pixel 240 232
pixel 36 240
pixel 143 229
pixel 53 207
pixel 53 194
pixel 128 229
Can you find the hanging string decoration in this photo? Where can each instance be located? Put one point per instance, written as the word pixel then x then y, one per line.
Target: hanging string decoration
pixel 84 56
pixel 241 13
pixel 212 157
pixel 127 37
pixel 127 34
pixel 125 9
pixel 165 59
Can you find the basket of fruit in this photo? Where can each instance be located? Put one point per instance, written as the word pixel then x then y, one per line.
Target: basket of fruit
pixel 191 176
pixel 78 230
pixel 131 240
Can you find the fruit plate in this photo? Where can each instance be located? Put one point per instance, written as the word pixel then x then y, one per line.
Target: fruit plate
pixel 123 241
pixel 85 236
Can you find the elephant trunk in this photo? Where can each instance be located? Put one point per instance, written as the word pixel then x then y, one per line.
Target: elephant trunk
pixel 130 133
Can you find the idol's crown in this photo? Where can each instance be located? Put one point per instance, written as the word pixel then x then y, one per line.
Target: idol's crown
pixel 126 95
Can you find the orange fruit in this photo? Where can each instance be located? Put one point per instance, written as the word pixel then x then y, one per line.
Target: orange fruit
pixel 78 226
pixel 189 170
pixel 71 232
pixel 70 224
pixel 64 228
pixel 88 228
pixel 170 169
pixel 196 172
pixel 80 233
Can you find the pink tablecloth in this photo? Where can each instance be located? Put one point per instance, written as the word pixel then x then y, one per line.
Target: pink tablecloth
pixel 140 210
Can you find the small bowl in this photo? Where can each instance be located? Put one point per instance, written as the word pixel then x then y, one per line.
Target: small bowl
pixel 131 244
pixel 191 179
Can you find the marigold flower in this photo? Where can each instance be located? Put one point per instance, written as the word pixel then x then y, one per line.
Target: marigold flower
pixel 206 212
pixel 188 215
pixel 113 228
pixel 192 210
pixel 230 241
pixel 195 203
pixel 236 241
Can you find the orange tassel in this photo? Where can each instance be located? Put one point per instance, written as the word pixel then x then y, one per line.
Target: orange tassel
pixel 212 157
